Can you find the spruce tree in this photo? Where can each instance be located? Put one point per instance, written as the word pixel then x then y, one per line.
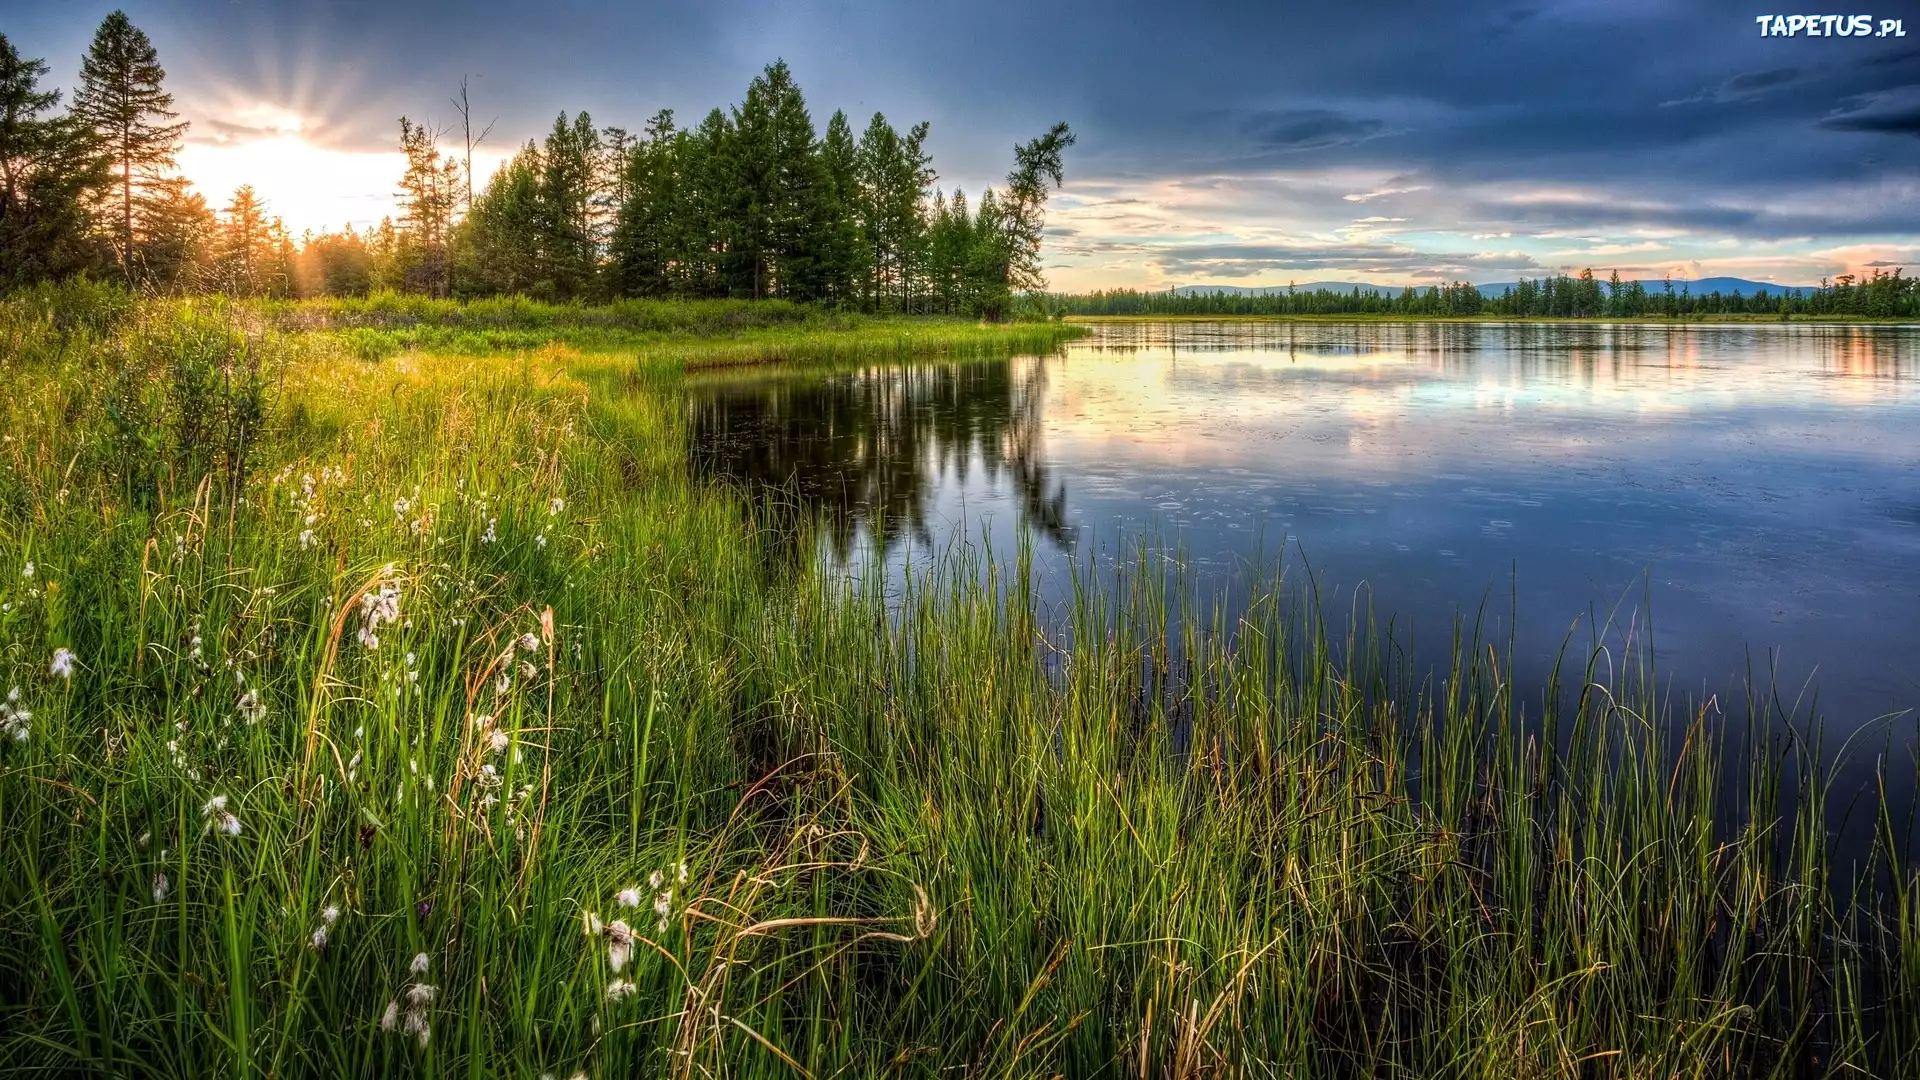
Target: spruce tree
pixel 843 263
pixel 48 167
pixel 243 248
pixel 499 241
pixel 644 251
pixel 176 233
pixel 122 99
pixel 569 169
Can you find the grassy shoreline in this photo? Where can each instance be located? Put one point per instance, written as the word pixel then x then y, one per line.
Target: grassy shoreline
pixel 389 674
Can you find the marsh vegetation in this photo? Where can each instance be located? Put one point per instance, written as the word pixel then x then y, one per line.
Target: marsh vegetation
pixel 388 694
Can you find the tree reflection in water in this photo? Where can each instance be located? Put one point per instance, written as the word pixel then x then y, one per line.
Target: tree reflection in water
pixel 862 452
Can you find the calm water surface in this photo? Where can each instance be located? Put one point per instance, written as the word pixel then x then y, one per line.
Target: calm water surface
pixel 1756 489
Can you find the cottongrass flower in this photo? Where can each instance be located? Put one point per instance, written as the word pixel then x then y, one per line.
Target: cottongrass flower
pixel 620 988
pixel 28 570
pixel 490 535
pixel 503 682
pixel 317 941
pixel 161 887
pixel 252 709
pixel 306 539
pixel 590 924
pixel 619 945
pixel 63 661
pixel 680 873
pixel 540 540
pixel 528 642
pixel 219 817
pixel 377 609
pixel 498 741
pixel 16 720
pixel 416 1019
pixel 419 1001
pixel 654 879
pixel 663 906
pixel 555 505
pixel 628 897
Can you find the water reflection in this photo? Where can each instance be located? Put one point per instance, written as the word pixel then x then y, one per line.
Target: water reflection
pixel 1757 484
pixel 865 452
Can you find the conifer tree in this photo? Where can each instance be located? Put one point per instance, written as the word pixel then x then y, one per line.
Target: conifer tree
pixel 243 248
pixel 843 250
pixel 48 167
pixel 176 232
pixel 499 241
pixel 1024 205
pixel 122 99
pixel 644 248
pixel 430 190
pixel 569 168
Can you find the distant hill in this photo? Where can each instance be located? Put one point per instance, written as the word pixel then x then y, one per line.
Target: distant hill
pixel 1269 290
pixel 1699 286
pixel 1725 286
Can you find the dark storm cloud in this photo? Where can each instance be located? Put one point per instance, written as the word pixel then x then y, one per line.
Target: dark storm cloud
pixel 1743 87
pixel 1309 129
pixel 1682 114
pixel 1892 112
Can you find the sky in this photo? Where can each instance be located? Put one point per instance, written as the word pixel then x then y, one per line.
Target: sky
pixel 1255 143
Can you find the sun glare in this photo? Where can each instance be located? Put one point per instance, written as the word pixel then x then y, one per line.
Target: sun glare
pixel 308 185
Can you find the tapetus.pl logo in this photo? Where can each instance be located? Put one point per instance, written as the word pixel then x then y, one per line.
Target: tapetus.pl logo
pixel 1828 26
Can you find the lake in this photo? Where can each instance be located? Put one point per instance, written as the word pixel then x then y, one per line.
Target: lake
pixel 1754 488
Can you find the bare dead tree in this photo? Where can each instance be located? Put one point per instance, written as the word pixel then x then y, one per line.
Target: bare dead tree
pixel 465 109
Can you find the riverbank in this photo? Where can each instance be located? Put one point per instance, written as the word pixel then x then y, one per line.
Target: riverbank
pixel 401 704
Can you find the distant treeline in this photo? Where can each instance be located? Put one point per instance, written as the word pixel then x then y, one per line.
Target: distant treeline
pixel 750 202
pixel 1879 295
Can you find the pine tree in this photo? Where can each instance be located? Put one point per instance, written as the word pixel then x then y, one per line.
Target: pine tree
pixel 644 250
pixel 988 293
pixel 430 190
pixel 709 230
pixel 122 100
pixel 569 168
pixel 243 247
pixel 896 174
pixel 843 250
pixel 48 167
pixel 176 234
pixel 1025 204
pixel 499 241
pixel 777 182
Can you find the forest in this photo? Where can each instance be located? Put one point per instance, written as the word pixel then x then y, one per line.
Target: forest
pixel 752 202
pixel 1878 295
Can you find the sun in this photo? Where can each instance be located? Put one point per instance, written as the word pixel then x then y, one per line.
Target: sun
pixel 304 180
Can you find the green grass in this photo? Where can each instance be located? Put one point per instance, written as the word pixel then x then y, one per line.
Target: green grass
pixel 917 841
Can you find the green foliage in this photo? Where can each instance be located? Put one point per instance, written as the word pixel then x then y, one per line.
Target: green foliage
pixel 48 168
